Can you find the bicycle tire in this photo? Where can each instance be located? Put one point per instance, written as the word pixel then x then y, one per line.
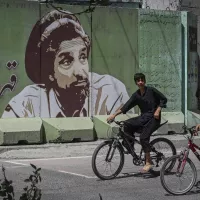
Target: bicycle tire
pixel 94 167
pixel 162 174
pixel 173 149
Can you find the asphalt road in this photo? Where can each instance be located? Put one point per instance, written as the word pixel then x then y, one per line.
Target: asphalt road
pixel 72 178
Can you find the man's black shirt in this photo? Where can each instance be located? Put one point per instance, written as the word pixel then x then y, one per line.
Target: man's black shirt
pixel 148 102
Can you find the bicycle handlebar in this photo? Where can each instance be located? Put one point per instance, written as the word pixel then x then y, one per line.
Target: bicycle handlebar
pixel 116 122
pixel 192 129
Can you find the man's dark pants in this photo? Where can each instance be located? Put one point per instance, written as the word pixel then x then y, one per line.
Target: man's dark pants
pixel 145 128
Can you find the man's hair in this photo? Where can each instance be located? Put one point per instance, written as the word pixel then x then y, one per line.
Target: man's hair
pixel 139 76
pixel 44 41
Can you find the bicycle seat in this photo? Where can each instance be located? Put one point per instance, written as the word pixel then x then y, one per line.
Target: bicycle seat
pixel 162 124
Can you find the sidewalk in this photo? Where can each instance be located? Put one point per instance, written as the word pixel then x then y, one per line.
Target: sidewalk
pixel 70 149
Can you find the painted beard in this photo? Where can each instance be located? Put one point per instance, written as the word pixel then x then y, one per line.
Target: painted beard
pixel 73 98
pixel 79 93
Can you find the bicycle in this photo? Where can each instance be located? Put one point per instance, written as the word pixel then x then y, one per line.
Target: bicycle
pixel 114 144
pixel 181 161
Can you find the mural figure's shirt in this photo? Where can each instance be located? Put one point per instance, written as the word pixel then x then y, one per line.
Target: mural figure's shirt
pixel 107 94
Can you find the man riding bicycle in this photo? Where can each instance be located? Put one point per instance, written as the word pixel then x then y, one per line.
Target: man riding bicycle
pixel 150 102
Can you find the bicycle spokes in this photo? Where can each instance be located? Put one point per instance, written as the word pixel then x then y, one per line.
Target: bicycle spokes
pixel 181 178
pixel 108 160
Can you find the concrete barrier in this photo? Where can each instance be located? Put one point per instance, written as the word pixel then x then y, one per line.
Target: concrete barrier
pixel 174 125
pixel 60 130
pixel 193 118
pixel 21 131
pixel 105 130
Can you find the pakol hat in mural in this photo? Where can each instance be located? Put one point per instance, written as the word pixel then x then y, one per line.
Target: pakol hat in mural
pixel 44 40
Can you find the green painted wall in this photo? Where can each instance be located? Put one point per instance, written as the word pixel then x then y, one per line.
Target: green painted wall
pixel 115 44
pixel 160 53
pixel 123 41
pixel 17 19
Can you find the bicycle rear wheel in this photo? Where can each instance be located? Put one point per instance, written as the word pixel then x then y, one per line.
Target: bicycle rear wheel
pixel 112 153
pixel 170 179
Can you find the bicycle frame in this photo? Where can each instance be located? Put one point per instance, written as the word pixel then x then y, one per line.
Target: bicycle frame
pixel 124 137
pixel 193 147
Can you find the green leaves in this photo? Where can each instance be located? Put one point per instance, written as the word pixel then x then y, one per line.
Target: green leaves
pixel 100 196
pixel 34 167
pixel 3 193
pixel 6 188
pixel 31 192
pixel 10 189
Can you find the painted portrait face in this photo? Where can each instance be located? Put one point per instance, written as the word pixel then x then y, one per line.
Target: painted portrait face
pixel 71 64
pixel 57 52
pixel 57 58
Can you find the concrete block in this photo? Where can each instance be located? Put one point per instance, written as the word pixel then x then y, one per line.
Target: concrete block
pixel 100 126
pixel 60 130
pixel 20 131
pixel 105 130
pixel 193 118
pixel 174 125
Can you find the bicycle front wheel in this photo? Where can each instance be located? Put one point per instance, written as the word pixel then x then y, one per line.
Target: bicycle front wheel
pixel 181 178
pixel 105 155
